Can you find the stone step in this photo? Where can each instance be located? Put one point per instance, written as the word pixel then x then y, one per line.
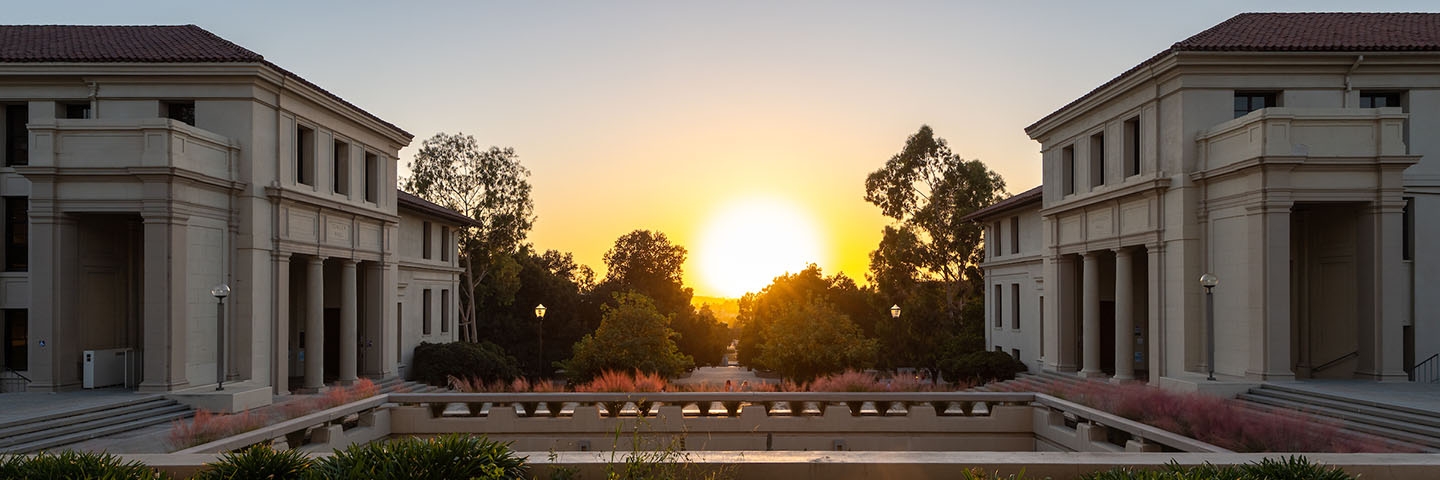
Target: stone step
pixel 1361 408
pixel 52 442
pixel 1360 432
pixel 68 427
pixel 1351 401
pixel 138 399
pixel 1377 426
pixel 72 417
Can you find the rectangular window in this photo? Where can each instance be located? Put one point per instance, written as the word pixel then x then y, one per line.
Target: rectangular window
pixel 1015 234
pixel 1246 102
pixel 1015 352
pixel 995 246
pixel 1380 100
pixel 305 155
pixel 17 339
pixel 445 244
pixel 372 178
pixel 1015 306
pixel 399 331
pixel 1132 147
pixel 1040 305
pixel 444 310
pixel 181 111
pixel 341 168
pixel 999 299
pixel 74 110
pixel 1097 159
pixel 17 136
pixel 425 312
pixel 17 234
pixel 1407 233
pixel 1000 349
pixel 425 240
pixel 1067 167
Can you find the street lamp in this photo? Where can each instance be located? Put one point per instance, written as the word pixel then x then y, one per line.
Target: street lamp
pixel 540 333
pixel 894 311
pixel 1209 281
pixel 220 292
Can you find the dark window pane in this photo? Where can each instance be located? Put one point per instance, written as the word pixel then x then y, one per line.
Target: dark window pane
pixel 17 136
pixel 17 339
pixel 17 234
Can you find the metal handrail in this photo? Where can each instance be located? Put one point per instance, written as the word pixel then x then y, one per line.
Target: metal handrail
pixel 1335 361
pixel 1431 368
pixel 19 376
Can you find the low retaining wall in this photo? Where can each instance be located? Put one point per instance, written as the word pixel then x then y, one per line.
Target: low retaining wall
pixel 872 465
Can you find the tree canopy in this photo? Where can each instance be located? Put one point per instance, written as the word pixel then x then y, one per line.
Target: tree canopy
pixel 927 257
pixel 803 324
pixel 633 335
pixel 488 185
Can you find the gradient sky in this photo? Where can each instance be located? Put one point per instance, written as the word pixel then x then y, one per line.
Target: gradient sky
pixel 658 115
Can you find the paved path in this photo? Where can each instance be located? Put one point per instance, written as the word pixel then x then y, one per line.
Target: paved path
pixel 717 376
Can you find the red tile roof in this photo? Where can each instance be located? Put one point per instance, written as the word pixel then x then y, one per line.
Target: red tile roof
pixel 409 200
pixel 1300 32
pixel 1015 201
pixel 136 44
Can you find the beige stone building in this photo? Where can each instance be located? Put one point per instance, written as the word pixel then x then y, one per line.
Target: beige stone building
pixel 1014 276
pixel 1294 156
pixel 144 165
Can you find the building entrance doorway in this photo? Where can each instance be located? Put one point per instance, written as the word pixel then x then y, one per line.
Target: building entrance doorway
pixel 1324 291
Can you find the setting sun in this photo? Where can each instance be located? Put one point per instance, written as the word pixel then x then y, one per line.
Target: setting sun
pixel 747 243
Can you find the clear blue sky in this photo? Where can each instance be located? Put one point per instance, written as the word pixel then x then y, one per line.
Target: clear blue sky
pixel 660 114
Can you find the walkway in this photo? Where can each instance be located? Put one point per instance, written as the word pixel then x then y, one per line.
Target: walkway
pixel 1415 396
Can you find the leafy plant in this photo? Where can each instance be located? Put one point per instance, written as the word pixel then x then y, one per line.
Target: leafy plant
pixel 633 335
pixel 76 465
pixel 982 366
pixel 434 363
pixel 667 460
pixel 444 457
pixel 258 462
pixel 207 427
pixel 1287 468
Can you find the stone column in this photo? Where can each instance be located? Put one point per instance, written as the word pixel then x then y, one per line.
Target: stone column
pixel 1154 305
pixel 164 305
pixel 1066 338
pixel 315 324
pixel 1270 333
pixel 349 324
pixel 1124 317
pixel 1090 311
pixel 281 326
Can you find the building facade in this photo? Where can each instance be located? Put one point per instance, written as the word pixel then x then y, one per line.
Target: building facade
pixel 1014 276
pixel 144 165
pixel 1293 156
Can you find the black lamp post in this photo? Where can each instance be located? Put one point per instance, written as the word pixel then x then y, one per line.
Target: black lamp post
pixel 1209 281
pixel 220 292
pixel 540 333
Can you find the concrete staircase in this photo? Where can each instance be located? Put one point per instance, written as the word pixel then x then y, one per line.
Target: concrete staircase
pixel 1405 426
pixel 1041 382
pixel 400 385
pixel 61 428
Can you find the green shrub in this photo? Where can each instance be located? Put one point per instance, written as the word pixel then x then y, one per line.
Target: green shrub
pixel 1288 468
pixel 981 367
pixel 444 457
pixel 258 462
pixel 76 465
pixel 435 363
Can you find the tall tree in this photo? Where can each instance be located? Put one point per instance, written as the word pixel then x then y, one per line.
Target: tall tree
pixel 646 262
pixel 772 321
pixel 633 335
pixel 488 185
pixel 928 250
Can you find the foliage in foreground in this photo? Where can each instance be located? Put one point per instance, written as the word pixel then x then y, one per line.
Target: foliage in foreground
pixel 259 461
pixel 435 363
pixel 444 457
pixel 1288 468
pixel 75 465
